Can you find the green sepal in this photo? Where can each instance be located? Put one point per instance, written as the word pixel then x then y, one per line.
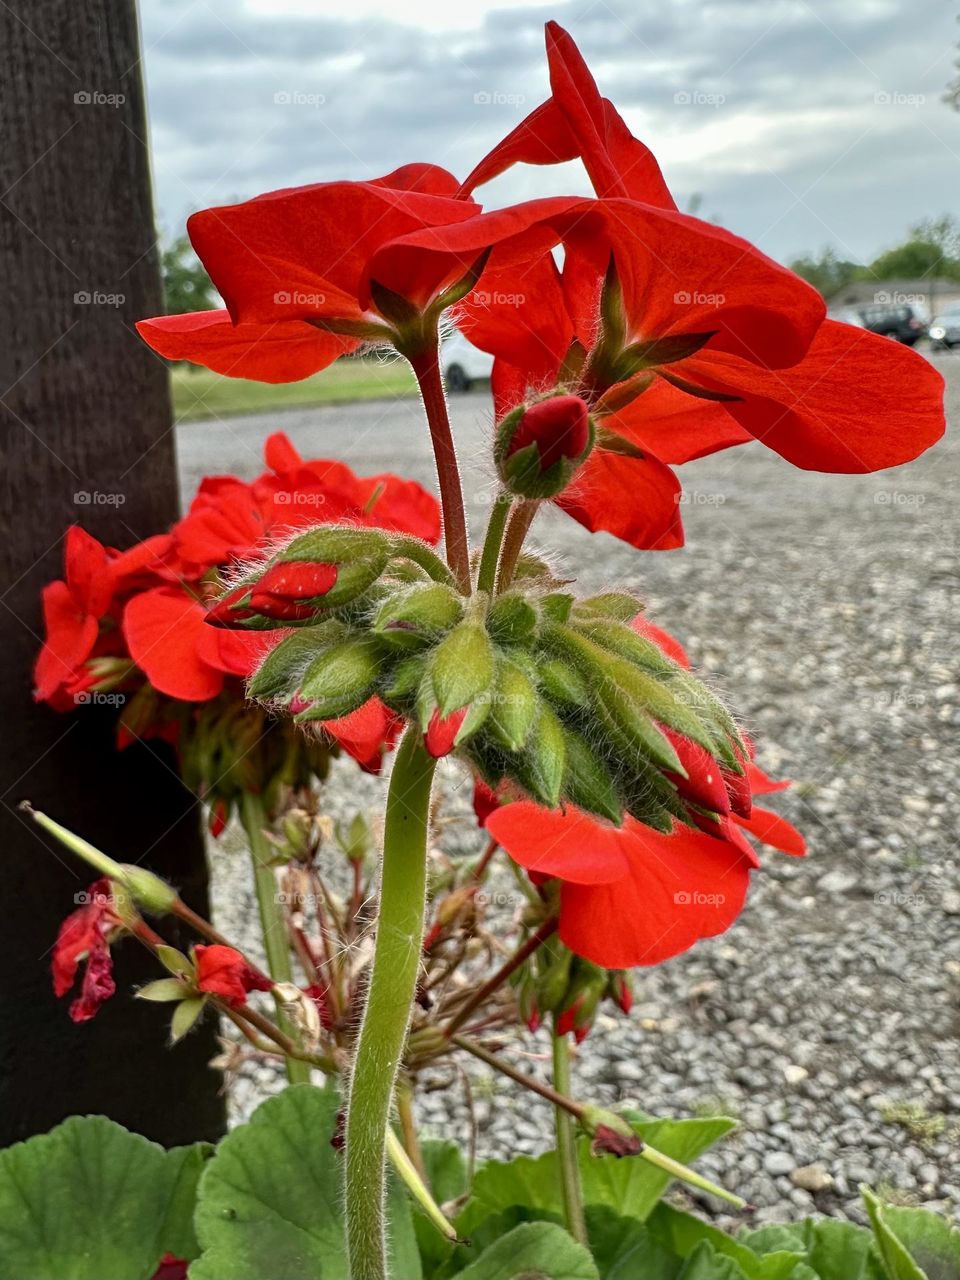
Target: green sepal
pixel 563 684
pixel 622 640
pixel 541 765
pixel 557 606
pixel 610 604
pixel 405 680
pixel 185 1016
pixel 163 990
pixel 336 544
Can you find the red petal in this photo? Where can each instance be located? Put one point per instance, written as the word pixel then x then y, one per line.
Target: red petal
pixel 560 842
pixel 769 828
pixel 88 571
pixel 98 984
pixel 677 427
pixel 169 640
pixel 856 402
pixel 70 637
pixel 636 499
pixel 441 734
pixel 279 453
pixel 678 888
pixel 705 783
pixel 276 351
pixel 367 733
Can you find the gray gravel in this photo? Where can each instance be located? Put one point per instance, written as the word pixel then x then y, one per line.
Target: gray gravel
pixel 827 1019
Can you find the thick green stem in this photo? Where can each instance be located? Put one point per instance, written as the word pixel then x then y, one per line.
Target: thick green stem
pixel 393 983
pixel 426 367
pixel 487 575
pixel 570 1186
pixel 273 921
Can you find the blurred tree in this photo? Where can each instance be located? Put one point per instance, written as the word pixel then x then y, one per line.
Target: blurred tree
pixel 826 272
pixel 186 285
pixel 932 249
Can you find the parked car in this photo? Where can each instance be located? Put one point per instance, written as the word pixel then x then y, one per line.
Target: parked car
pixel 899 322
pixel 945 329
pixel 462 363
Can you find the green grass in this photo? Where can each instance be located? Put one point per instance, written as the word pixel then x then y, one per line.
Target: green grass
pixel 198 393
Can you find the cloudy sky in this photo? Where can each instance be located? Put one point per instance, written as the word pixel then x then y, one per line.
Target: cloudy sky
pixel 799 123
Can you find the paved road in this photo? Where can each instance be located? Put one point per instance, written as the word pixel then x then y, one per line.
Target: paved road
pixel 825 607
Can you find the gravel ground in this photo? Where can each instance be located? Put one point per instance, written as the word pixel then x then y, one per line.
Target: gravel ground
pixel 827 1018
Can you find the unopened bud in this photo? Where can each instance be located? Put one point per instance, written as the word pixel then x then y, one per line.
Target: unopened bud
pixel 462 667
pixel 514 709
pixel 288 585
pixel 341 679
pixel 512 619
pixel 540 446
pixel 148 890
pixel 419 616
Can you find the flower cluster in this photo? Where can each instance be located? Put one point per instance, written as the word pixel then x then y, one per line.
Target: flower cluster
pixel 130 628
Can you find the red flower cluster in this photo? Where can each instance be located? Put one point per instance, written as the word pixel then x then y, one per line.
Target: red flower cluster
pixel 119 618
pixel 680 336
pixel 634 896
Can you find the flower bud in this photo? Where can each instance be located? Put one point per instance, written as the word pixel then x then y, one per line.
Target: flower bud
pixel 620 990
pixel 419 616
pixel 540 767
pixel 341 679
pixel 540 446
pixel 462 667
pixel 514 707
pixel 579 1005
pixel 440 735
pixel 287 585
pixel 512 619
pixel 588 782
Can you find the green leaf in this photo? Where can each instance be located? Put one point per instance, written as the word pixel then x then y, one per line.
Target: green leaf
pixel 90 1201
pixel 270 1200
pixel 630 1185
pixel 840 1250
pixel 535 1251
pixel 914 1244
pixel 625 1249
pixel 682 1233
pixel 773 1237
pixel 706 1264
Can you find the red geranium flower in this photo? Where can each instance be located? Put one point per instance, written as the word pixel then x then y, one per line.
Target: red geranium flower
pixel 293 269
pixel 223 972
pixel 85 935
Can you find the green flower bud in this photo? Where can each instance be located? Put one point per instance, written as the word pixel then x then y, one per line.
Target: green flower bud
pixel 281 672
pixel 624 641
pixel 514 707
pixel 336 544
pixel 461 667
pixel 610 604
pixel 553 976
pixel 405 680
pixel 512 619
pixel 341 679
pixel 588 783
pixel 417 617
pixel 564 685
pixel 540 766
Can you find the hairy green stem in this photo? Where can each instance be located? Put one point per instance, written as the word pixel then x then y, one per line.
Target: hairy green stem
pixel 393 982
pixel 570 1185
pixel 273 921
pixel 487 575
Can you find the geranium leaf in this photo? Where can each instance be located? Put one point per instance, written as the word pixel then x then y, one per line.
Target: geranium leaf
pixel 914 1244
pixel 841 1250
pixel 682 1233
pixel 90 1201
pixel 270 1201
pixel 534 1251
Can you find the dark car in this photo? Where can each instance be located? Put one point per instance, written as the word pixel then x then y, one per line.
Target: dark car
pixel 900 322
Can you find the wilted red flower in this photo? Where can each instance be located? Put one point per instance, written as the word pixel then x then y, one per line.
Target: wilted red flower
pixel 293 267
pixel 222 971
pixel 85 935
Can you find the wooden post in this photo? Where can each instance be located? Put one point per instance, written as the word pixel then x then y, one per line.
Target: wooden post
pixel 85 437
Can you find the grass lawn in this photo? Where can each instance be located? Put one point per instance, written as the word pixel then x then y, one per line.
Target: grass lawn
pixel 198 393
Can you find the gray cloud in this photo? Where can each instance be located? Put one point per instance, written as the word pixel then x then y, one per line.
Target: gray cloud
pixel 801 122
